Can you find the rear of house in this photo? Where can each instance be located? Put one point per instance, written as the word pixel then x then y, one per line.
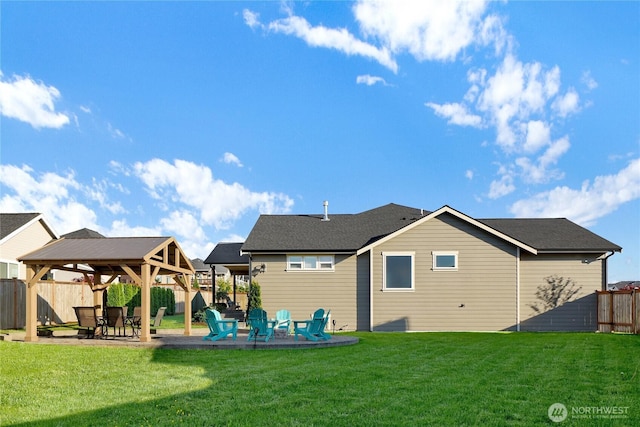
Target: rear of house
pixel 396 268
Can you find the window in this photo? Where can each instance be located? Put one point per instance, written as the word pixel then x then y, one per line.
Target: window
pixel 310 262
pixel 397 271
pixel 8 270
pixel 445 260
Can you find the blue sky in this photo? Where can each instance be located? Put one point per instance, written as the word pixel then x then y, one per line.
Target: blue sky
pixel 190 119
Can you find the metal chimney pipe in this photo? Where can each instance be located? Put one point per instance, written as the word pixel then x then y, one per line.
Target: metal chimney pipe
pixel 326 210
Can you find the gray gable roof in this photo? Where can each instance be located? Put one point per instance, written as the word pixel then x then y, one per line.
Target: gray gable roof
pixel 10 222
pixel 83 233
pixel 227 254
pixel 552 234
pixel 349 233
pixel 341 233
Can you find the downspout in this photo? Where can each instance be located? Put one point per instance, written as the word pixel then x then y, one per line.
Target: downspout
pixel 370 290
pixel 605 270
pixel 518 289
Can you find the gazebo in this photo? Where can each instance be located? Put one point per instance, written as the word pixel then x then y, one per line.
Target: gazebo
pixel 141 258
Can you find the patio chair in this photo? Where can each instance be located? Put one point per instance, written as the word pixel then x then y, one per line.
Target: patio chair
pixel 158 319
pixel 283 322
pixel 116 318
pixel 313 329
pixel 220 328
pixel 88 319
pixel 136 320
pixel 261 328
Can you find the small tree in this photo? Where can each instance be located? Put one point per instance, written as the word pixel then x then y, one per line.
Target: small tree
pixel 254 298
pixel 556 292
pixel 223 289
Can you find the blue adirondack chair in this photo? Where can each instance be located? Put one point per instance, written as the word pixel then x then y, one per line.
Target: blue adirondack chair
pixel 312 329
pixel 261 328
pixel 283 321
pixel 220 328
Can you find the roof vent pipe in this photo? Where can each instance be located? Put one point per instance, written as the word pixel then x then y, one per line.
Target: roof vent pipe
pixel 326 210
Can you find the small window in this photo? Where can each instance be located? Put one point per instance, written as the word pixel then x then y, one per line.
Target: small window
pixel 445 260
pixel 295 263
pixel 398 271
pixel 8 270
pixel 310 262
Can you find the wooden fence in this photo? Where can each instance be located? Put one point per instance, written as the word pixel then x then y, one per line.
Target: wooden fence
pixel 57 299
pixel 619 311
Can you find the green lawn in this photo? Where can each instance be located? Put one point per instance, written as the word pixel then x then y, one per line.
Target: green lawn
pixel 390 379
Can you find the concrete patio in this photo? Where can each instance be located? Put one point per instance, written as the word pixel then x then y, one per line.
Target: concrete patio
pixel 175 339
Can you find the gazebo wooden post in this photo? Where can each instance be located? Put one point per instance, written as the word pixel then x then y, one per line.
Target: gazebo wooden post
pixel 32 306
pixel 145 294
pixel 188 295
pixel 97 294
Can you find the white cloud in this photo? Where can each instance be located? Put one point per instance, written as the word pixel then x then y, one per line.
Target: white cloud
pixel 538 135
pixel 540 172
pixel 370 80
pixel 501 187
pixel 51 194
pixel 469 174
pixel 587 204
pixel 339 39
pixel 567 103
pixel 513 94
pixel 589 81
pixel 428 30
pixel 32 102
pixel 457 114
pixel 231 159
pixel 218 203
pixel 120 228
pixel 252 19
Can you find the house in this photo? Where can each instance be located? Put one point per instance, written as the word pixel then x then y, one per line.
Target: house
pixel 396 268
pixel 21 233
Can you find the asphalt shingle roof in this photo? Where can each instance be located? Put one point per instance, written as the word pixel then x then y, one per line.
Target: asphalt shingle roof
pixel 350 232
pixel 83 233
pixel 551 234
pixel 227 254
pixel 342 232
pixel 10 222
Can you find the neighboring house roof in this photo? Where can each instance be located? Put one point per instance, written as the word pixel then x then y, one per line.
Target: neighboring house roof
pixel 83 233
pixel 12 223
pixel 199 265
pixel 227 254
pixel 360 232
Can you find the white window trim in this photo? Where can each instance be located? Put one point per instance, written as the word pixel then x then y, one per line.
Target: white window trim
pixel 318 269
pixel 435 254
pixel 384 271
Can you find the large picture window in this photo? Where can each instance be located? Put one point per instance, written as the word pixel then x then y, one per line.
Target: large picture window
pixel 445 260
pixel 310 263
pixel 398 271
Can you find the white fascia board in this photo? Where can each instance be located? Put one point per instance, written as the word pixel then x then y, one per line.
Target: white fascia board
pixel 457 214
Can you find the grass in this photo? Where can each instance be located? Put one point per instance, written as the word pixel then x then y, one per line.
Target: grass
pixel 387 379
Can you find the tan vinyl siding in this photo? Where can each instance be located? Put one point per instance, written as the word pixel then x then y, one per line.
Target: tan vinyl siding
pixel 29 239
pixel 303 292
pixel 579 314
pixel 485 281
pixel 363 299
